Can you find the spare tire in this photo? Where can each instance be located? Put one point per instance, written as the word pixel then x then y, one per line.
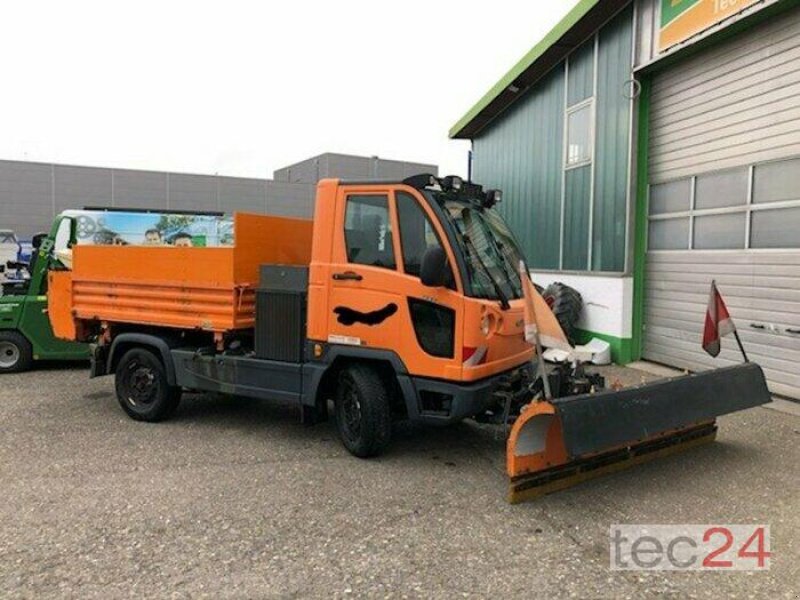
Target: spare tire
pixel 566 304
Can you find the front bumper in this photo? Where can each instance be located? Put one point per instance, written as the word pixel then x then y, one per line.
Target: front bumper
pixel 444 402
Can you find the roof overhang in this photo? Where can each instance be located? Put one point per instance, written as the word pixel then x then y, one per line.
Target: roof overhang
pixel 574 29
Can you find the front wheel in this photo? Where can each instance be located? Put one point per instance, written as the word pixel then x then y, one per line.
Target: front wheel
pixel 143 390
pixel 363 411
pixel 16 353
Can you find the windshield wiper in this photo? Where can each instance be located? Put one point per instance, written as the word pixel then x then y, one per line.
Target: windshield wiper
pixel 499 248
pixel 504 304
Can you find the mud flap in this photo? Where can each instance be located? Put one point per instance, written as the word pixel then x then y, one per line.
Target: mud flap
pixel 556 444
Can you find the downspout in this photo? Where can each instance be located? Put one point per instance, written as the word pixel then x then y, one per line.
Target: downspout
pixel 640 219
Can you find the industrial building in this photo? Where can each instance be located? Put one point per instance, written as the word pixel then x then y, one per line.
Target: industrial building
pixel 32 193
pixel 345 166
pixel 647 147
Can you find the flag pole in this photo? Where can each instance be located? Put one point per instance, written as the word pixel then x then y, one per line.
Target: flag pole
pixel 542 371
pixel 539 354
pixel 719 324
pixel 741 347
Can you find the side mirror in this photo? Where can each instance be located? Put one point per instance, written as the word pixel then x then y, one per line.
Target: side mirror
pixel 36 240
pixel 433 270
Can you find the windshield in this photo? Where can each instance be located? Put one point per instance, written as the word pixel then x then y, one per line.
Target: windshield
pixel 7 237
pixel 489 249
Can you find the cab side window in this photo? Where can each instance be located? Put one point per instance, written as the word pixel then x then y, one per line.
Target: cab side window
pixel 417 234
pixel 368 231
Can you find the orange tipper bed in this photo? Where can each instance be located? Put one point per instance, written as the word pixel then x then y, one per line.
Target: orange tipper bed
pixel 189 288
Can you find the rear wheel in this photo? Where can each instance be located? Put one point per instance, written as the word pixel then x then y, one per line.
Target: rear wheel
pixel 142 387
pixel 16 353
pixel 363 411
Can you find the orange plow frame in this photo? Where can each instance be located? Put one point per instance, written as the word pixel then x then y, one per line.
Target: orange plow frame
pixel 556 444
pixel 547 468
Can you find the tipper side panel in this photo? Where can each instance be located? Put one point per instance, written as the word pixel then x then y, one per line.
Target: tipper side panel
pixel 59 304
pixel 188 288
pixel 269 240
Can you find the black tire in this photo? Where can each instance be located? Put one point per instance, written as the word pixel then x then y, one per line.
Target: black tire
pixel 142 388
pixel 566 304
pixel 16 352
pixel 363 411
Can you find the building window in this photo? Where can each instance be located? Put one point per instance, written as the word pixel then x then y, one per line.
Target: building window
pixel 755 207
pixel 776 228
pixel 777 182
pixel 579 134
pixel 724 231
pixel 570 201
pixel 578 181
pixel 669 234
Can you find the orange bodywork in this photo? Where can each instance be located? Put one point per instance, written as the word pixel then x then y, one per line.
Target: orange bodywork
pixel 212 289
pixel 504 347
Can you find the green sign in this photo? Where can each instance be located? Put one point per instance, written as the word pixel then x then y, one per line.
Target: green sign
pixel 683 19
pixel 672 9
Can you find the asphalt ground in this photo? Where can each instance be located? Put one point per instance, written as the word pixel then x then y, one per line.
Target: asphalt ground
pixel 234 498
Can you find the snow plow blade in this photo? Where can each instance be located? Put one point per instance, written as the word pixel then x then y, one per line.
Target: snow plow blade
pixel 559 443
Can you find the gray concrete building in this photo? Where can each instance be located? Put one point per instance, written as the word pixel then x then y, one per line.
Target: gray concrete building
pixel 346 166
pixel 32 193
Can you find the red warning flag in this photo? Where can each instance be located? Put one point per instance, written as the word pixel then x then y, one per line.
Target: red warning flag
pixel 718 322
pixel 539 318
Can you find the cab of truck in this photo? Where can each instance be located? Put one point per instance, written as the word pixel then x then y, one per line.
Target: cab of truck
pixel 427 271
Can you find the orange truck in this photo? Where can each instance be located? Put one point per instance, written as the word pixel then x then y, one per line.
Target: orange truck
pixel 399 300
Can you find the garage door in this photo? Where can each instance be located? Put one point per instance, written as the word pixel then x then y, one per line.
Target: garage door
pixel 725 203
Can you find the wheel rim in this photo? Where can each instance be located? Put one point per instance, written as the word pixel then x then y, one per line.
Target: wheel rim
pixel 351 413
pixel 9 355
pixel 142 384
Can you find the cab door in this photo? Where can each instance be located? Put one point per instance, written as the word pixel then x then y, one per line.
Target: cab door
pixel 376 297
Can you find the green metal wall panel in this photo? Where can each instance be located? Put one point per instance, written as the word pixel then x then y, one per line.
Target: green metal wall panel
pixel 521 153
pixel 576 218
pixel 612 140
pixel 581 74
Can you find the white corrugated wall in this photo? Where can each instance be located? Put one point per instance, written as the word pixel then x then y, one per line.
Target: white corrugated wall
pixel 726 125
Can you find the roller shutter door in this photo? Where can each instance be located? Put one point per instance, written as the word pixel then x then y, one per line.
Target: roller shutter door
pixel 724 168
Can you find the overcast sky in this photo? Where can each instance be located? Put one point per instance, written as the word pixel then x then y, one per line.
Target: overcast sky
pixel 243 88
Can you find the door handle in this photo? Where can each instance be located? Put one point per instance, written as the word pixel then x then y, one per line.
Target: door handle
pixel 757 326
pixel 793 331
pixel 347 276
